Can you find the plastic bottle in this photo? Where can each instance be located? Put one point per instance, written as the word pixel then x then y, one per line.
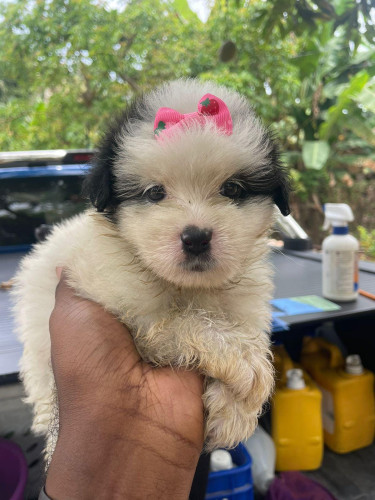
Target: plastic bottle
pixel 348 395
pixel 221 460
pixel 296 418
pixel 262 451
pixel 282 363
pixel 328 332
pixel 340 255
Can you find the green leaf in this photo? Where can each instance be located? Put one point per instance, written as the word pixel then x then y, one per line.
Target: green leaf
pixel 161 126
pixel 362 130
pixel 342 6
pixel 334 114
pixel 184 10
pixel 315 154
pixel 306 62
pixel 367 96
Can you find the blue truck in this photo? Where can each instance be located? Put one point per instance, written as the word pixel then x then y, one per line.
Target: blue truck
pixel 38 188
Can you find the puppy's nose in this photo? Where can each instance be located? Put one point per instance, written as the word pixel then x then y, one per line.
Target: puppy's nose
pixel 196 241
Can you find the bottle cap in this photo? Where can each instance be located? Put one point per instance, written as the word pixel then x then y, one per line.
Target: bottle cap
pixel 337 215
pixel 353 364
pixel 294 379
pixel 221 460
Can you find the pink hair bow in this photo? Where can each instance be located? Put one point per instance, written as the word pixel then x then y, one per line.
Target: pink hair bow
pixel 168 120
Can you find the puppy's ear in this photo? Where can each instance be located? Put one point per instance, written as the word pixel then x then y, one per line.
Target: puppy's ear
pixel 99 183
pixel 282 178
pixel 281 199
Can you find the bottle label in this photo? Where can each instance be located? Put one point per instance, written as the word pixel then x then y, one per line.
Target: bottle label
pixel 340 272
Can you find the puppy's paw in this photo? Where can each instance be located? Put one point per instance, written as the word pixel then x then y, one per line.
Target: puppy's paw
pixel 244 373
pixel 231 419
pixel 228 421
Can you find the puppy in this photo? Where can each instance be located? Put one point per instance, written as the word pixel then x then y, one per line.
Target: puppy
pixel 183 188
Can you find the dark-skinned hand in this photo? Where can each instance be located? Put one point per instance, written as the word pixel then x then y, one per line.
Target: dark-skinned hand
pixel 126 429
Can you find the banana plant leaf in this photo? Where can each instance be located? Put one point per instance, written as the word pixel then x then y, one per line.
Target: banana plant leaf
pixel 315 154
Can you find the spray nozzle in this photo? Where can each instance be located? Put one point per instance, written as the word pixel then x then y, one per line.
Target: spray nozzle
pixel 337 215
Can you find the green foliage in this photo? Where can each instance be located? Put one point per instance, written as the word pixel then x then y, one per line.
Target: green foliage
pixel 69 65
pixel 306 66
pixel 345 98
pixel 367 241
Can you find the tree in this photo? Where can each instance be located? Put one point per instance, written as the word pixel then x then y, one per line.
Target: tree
pixel 66 66
pixel 316 62
pixel 306 66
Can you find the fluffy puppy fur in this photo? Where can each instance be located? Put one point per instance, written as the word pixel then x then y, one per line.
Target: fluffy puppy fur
pixel 209 311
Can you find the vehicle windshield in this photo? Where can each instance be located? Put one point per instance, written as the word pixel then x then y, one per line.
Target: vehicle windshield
pixel 26 203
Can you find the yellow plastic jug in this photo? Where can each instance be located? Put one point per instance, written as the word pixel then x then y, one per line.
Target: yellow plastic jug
pixel 282 363
pixel 296 417
pixel 348 395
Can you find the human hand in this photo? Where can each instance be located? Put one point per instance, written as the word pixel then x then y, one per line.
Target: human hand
pixel 126 429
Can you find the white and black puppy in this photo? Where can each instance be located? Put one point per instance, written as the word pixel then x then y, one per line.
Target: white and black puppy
pixel 184 187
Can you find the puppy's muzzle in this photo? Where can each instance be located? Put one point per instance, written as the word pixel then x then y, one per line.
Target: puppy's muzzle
pixel 196 241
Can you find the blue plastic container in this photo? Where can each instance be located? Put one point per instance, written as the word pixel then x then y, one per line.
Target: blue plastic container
pixel 232 484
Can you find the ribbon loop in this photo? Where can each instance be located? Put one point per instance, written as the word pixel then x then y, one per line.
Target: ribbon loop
pixel 210 107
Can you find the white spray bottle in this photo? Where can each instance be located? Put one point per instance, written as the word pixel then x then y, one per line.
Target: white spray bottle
pixel 340 255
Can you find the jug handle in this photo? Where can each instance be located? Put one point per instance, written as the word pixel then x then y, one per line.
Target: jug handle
pixel 335 356
pixel 282 361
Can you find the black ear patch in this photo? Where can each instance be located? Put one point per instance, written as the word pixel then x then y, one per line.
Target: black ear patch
pixel 282 177
pixel 99 183
pixel 281 200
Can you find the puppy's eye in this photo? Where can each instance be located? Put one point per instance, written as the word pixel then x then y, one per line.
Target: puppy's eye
pixel 156 193
pixel 232 190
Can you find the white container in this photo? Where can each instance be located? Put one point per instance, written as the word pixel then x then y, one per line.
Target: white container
pixel 221 460
pixel 340 255
pixel 294 379
pixel 263 453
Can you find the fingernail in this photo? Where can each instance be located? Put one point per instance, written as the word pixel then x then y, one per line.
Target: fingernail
pixel 59 271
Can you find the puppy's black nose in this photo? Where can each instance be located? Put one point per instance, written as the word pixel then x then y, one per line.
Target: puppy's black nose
pixel 196 241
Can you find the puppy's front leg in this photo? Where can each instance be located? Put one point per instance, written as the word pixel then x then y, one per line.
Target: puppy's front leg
pixel 235 360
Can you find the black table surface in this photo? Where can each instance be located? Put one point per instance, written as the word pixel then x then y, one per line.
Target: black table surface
pixel 296 274
pixel 300 273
